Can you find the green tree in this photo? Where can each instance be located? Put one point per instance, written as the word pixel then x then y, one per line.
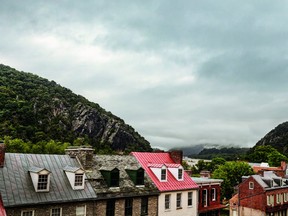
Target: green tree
pixel 275 158
pixel 231 172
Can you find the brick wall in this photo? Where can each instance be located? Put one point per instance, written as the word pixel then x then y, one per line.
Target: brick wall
pixel 68 209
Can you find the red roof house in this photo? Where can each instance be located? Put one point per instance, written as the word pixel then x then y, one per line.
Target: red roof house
pixel 178 192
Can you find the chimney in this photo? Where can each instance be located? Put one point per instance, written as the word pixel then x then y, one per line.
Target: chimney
pixel 177 156
pixel 2 154
pixel 83 153
pixel 283 165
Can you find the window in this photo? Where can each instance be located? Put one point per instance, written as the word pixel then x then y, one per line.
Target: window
pixel 110 208
pixel 178 200
pixel 251 185
pixel 277 198
pixel 213 194
pixel 268 200
pixel 140 177
pixel 56 212
pixel 167 201
pixel 204 197
pixel 180 173
pixel 78 180
pixel 144 206
pixel 42 182
pixel 190 199
pixel 81 211
pixel 27 213
pixel 114 178
pixel 128 206
pixel 163 174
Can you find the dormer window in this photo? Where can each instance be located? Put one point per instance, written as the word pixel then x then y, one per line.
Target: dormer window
pixel 75 176
pixel 40 178
pixel 137 176
pixel 163 174
pixel 180 173
pixel 111 176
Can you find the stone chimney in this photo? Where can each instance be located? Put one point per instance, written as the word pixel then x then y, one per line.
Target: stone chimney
pixel 177 156
pixel 2 154
pixel 83 153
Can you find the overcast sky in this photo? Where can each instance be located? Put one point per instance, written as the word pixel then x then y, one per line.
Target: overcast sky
pixel 180 72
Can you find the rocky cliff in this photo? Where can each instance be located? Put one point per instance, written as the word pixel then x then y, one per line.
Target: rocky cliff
pixel 34 109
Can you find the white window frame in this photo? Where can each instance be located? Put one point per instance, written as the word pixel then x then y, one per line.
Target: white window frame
pixel 251 185
pixel 26 211
pixel 180 174
pixel 167 200
pixel 77 182
pixel 277 198
pixel 206 198
pixel 190 197
pixel 56 208
pixel 84 210
pixel 178 200
pixel 214 192
pixel 268 200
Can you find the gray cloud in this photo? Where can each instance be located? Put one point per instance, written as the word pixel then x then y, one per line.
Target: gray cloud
pixel 181 73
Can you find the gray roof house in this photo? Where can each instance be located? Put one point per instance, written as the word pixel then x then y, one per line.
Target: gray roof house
pixel 41 184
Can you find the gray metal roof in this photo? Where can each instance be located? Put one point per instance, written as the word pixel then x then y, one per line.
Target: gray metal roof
pixel 206 180
pixel 16 185
pixel 69 168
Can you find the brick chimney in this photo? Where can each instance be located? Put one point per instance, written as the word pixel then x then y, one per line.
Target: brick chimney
pixel 83 153
pixel 177 156
pixel 2 154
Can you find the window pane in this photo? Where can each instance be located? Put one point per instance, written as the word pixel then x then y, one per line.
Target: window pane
pixel 128 206
pixel 114 178
pixel 56 212
pixel 42 182
pixel 167 201
pixel 144 206
pixel 27 213
pixel 78 180
pixel 190 198
pixel 178 200
pixel 110 208
pixel 163 174
pixel 180 173
pixel 80 211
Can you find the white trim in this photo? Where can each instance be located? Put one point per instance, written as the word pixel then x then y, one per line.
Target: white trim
pixel 24 211
pixel 56 208
pixel 81 207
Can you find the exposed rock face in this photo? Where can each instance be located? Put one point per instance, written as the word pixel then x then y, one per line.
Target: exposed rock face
pixel 277 138
pixel 35 109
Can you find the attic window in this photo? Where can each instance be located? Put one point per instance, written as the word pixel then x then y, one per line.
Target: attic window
pixel 111 176
pixel 42 182
pixel 78 180
pixel 251 185
pixel 75 176
pixel 163 174
pixel 137 176
pixel 180 173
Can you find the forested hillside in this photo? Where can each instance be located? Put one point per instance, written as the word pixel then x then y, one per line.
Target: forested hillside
pixel 35 110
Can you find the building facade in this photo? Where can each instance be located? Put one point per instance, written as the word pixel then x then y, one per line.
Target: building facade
pixel 178 192
pixel 261 195
pixel 209 196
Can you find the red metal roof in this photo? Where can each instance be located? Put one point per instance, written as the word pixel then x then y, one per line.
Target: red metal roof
pixel 2 209
pixel 146 159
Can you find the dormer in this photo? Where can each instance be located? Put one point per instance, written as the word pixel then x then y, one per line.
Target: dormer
pixel 136 175
pixel 76 177
pixel 111 176
pixel 160 171
pixel 40 178
pixel 176 170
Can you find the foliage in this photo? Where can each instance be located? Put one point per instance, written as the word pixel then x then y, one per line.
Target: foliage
pixel 266 153
pixel 231 172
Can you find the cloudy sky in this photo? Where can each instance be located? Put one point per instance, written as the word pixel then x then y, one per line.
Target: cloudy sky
pixel 180 72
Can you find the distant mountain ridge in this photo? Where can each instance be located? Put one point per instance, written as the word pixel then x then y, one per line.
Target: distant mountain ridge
pixel 34 109
pixel 277 138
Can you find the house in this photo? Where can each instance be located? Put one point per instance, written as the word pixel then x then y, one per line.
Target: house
pixel 209 196
pixel 121 184
pixel 41 184
pixel 261 195
pixel 178 192
pixel 279 171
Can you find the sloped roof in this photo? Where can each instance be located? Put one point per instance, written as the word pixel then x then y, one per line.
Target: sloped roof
pixel 17 188
pixel 172 184
pixel 126 185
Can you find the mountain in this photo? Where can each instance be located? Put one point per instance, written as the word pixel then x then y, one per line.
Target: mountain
pixel 277 138
pixel 34 109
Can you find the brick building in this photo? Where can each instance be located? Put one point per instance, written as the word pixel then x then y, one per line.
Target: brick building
pixel 279 171
pixel 178 192
pixel 41 184
pixel 209 196
pixel 121 184
pixel 261 195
